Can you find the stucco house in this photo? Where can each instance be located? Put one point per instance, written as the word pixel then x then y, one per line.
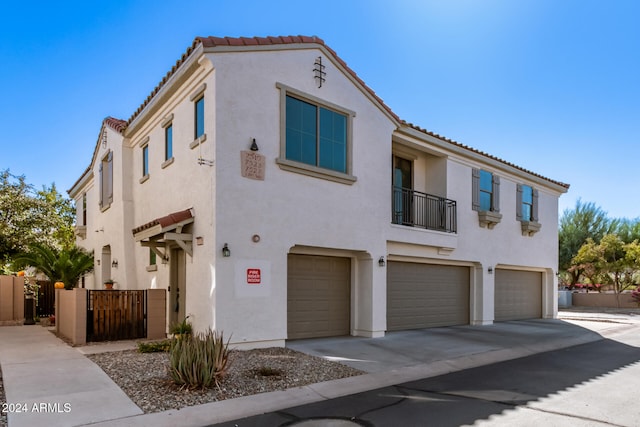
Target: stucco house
pixel 276 197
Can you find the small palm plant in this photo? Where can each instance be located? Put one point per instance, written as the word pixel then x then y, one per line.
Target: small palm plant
pixel 66 265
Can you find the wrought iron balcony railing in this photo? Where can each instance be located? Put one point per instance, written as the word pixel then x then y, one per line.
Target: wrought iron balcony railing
pixel 417 209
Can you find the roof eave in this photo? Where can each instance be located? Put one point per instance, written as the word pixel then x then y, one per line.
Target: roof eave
pixel 174 79
pixel 478 156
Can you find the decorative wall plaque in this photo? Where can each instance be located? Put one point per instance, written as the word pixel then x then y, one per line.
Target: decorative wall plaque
pixel 252 165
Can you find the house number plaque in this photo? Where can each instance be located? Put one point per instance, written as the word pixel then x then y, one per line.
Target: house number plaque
pixel 252 165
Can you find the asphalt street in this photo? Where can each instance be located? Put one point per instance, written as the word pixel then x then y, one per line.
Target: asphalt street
pixel 587 385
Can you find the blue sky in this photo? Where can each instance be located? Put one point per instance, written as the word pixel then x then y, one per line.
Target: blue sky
pixel 552 86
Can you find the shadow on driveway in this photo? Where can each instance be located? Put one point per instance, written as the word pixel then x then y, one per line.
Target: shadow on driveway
pixel 463 397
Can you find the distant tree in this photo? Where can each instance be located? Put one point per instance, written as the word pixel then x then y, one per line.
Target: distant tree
pixel 611 261
pixel 28 216
pixel 65 265
pixel 576 226
pixel 587 262
pixel 628 229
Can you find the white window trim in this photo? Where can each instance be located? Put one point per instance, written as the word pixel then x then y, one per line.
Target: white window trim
pixel 303 168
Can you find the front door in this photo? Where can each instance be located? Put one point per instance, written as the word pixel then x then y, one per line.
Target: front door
pixel 402 191
pixel 177 286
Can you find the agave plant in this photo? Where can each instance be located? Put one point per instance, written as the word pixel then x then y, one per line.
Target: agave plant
pixel 66 265
pixel 199 361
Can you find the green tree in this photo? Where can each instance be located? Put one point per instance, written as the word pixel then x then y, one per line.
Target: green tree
pixel 28 217
pixel 64 265
pixel 612 261
pixel 587 262
pixel 629 230
pixel 576 226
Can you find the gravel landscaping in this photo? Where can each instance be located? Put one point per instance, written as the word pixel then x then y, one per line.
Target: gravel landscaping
pixel 143 376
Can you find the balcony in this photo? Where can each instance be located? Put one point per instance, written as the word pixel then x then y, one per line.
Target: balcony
pixel 416 209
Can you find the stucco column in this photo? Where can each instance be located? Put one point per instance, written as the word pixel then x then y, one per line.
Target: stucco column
pixel 369 299
pixel 482 295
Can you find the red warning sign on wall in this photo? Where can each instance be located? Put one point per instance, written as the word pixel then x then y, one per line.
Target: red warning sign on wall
pixel 253 276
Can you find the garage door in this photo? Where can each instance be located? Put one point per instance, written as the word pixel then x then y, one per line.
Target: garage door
pixel 425 295
pixel 518 295
pixel 318 296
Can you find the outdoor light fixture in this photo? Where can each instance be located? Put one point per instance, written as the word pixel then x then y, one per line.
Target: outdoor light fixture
pixel 381 261
pixel 114 263
pixel 225 251
pixel 254 146
pixel 490 270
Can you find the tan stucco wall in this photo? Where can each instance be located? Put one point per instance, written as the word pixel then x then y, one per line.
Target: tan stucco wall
pixel 71 315
pixel 603 300
pixel 11 300
pixel 156 313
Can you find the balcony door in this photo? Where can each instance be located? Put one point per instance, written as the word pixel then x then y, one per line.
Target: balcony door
pixel 402 191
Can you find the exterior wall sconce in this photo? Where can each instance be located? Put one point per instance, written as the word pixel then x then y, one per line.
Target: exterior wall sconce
pixel 381 262
pixel 490 270
pixel 254 146
pixel 225 251
pixel 114 263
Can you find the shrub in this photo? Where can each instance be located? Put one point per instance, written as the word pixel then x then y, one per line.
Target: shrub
pixel 199 360
pixel 181 328
pixel 154 347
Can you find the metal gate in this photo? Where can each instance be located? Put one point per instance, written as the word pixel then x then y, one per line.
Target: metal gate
pixel 46 299
pixel 116 315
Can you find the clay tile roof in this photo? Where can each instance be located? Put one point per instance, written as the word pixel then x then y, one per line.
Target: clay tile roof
pixel 482 153
pixel 212 42
pixel 116 124
pixel 166 221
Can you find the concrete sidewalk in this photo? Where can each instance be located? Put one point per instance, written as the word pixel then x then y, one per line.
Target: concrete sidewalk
pixel 39 368
pixel 49 383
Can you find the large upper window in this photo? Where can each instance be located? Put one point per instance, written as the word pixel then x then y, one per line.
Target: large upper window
pixel 316 135
pixel 106 180
pixel 199 117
